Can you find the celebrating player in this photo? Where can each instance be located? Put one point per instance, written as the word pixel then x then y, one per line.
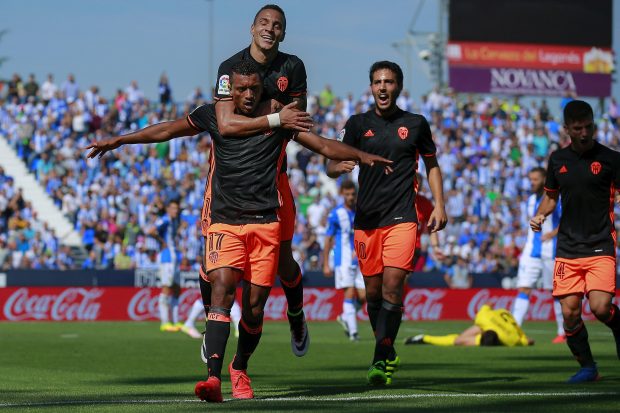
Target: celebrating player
pixel 536 261
pixel 585 175
pixel 386 217
pixel 339 239
pixel 491 328
pixel 284 81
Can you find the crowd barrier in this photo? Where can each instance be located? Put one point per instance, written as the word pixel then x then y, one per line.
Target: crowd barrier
pixel 320 304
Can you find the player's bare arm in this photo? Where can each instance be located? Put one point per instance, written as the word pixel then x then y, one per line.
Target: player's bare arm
pixel 152 134
pixel 339 151
pixel 546 207
pixel 232 124
pixel 550 235
pixel 329 242
pixel 438 218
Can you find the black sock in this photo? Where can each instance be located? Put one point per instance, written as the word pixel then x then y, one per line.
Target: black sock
pixel 205 292
pixel 577 340
pixel 373 308
pixel 613 321
pixel 294 291
pixel 249 336
pixel 388 323
pixel 218 330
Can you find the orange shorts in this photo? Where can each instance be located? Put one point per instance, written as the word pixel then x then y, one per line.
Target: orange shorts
pixel 582 275
pixel 392 246
pixel 287 211
pixel 250 248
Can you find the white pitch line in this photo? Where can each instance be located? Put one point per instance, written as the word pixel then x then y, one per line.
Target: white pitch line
pixel 326 399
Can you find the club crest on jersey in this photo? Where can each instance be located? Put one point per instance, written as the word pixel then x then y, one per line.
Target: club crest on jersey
pixel 223 85
pixel 403 132
pixel 213 257
pixel 282 83
pixel 341 135
pixel 595 167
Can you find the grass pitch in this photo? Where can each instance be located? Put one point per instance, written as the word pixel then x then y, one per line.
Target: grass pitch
pixel 111 367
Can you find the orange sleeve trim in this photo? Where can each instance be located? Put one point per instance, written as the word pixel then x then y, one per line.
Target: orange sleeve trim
pixel 303 93
pixel 218 99
pixel 429 155
pixel 551 190
pixel 191 124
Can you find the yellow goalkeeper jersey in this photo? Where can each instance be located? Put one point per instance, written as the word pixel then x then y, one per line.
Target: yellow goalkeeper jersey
pixel 502 322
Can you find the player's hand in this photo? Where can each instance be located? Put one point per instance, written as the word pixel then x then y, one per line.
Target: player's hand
pixel 617 197
pixel 99 148
pixel 293 119
pixel 371 159
pixel 345 167
pixel 438 219
pixel 327 271
pixel 536 222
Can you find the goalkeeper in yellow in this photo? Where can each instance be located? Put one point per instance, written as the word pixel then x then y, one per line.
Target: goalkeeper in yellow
pixel 491 328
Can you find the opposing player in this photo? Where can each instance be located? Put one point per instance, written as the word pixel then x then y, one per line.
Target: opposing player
pixel 491 328
pixel 166 230
pixel 284 81
pixel 339 239
pixel 585 175
pixel 385 216
pixel 536 261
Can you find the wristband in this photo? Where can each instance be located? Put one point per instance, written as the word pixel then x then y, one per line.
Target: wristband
pixel 274 120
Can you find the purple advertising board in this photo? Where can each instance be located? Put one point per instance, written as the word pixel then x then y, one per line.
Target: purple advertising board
pixel 522 81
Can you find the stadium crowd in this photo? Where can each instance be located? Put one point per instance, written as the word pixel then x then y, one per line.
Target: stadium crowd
pixel 485 145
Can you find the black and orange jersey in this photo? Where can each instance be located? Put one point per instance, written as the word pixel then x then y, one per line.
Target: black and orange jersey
pixel 242 184
pixel 388 199
pixel 587 184
pixel 283 79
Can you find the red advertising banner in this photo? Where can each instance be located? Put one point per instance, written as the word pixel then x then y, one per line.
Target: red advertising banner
pixel 530 56
pixel 320 304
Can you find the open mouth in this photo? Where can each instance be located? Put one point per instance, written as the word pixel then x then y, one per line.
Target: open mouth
pixel 268 38
pixel 383 98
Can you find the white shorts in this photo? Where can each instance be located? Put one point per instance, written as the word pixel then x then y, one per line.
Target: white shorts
pixel 348 276
pixel 169 275
pixel 533 269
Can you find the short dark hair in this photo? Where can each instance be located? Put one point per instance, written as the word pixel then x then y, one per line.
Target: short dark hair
pixel 576 110
pixel 347 185
pixel 489 338
pixel 245 67
pixel 276 8
pixel 540 170
pixel 385 64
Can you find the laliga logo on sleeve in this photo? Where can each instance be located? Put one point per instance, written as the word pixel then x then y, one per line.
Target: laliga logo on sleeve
pixel 341 135
pixel 223 85
pixel 595 167
pixel 282 83
pixel 403 132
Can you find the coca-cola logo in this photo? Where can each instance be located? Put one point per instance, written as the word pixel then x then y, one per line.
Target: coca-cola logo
pixel 423 304
pixel 144 305
pixel 70 304
pixel 483 297
pixel 318 305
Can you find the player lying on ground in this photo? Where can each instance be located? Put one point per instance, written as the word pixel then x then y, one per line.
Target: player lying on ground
pixel 491 328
